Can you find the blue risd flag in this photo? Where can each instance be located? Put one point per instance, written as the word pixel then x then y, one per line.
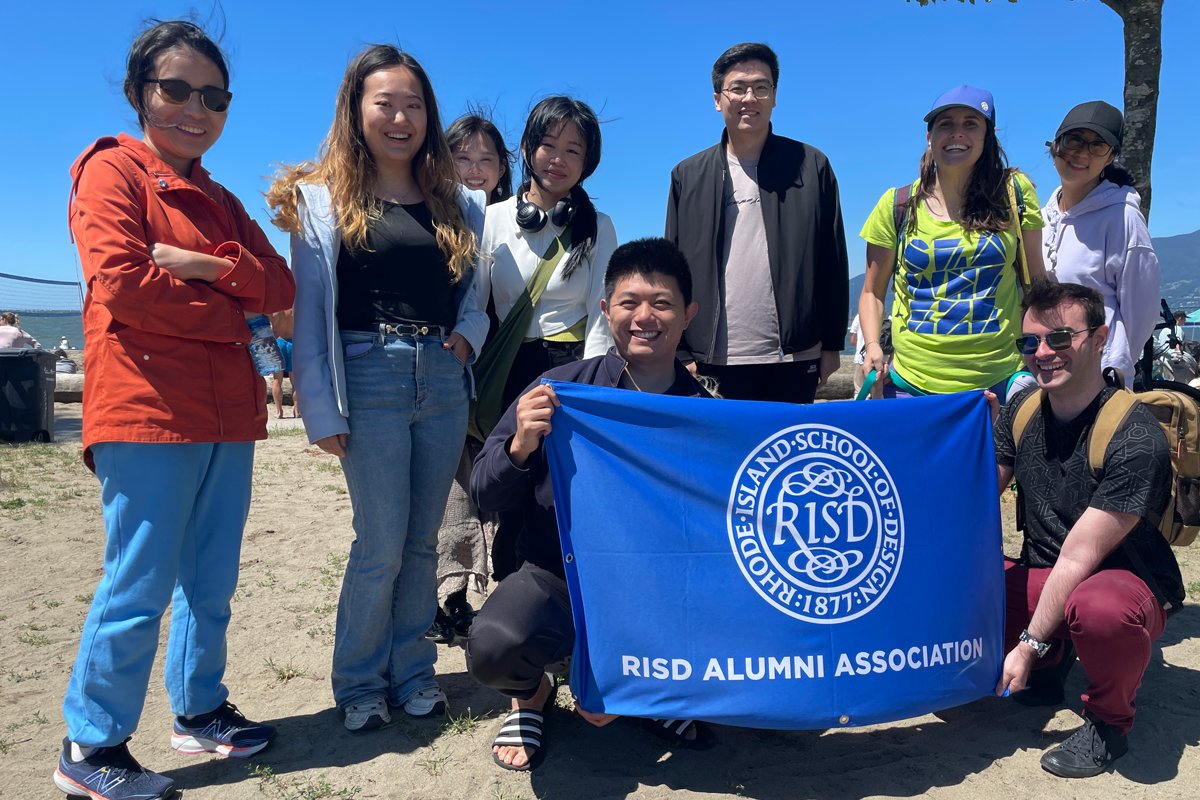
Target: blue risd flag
pixel 778 566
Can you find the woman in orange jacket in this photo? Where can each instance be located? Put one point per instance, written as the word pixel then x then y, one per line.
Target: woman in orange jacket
pixel 172 406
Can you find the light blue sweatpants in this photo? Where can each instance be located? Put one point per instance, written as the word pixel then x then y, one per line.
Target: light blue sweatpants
pixel 173 518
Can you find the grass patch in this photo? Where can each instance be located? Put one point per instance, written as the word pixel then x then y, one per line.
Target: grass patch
pixel 33 639
pixel 279 433
pixel 331 574
pixel 19 677
pixel 335 489
pixel 52 603
pixel 328 608
pixel 38 718
pixel 321 630
pixel 329 466
pixel 463 723
pixel 268 581
pixel 13 504
pixel 437 764
pixel 85 598
pixel 302 788
pixel 1193 589
pixel 285 673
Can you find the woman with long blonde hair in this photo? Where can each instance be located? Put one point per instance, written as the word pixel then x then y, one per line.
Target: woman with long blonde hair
pixel 383 250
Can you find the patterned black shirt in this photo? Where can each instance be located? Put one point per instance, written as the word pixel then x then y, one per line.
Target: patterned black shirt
pixel 1057 485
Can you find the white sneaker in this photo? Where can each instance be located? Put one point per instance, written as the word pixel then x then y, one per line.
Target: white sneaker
pixel 426 703
pixel 368 715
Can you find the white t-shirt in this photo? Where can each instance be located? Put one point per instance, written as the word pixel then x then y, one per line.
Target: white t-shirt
pixel 860 345
pixel 748 328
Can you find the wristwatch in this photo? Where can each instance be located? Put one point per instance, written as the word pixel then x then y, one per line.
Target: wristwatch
pixel 1041 648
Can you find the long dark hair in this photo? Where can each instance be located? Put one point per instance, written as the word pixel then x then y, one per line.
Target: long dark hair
pixel 158 38
pixel 464 128
pixel 545 115
pixel 985 203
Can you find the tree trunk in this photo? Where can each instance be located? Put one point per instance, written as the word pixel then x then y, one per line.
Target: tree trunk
pixel 1143 61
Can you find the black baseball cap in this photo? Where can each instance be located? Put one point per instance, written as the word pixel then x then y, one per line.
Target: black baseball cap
pixel 1097 116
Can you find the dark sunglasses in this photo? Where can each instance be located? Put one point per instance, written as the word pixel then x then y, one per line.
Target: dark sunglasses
pixel 178 92
pixel 1027 343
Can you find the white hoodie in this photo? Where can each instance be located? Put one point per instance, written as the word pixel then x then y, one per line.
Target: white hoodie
pixel 1103 243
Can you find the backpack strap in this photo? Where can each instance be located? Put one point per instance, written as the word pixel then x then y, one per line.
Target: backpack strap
pixel 1030 405
pixel 1112 417
pixel 1016 205
pixel 900 221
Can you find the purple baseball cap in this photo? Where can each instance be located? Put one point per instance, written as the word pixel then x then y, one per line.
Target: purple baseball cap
pixel 965 97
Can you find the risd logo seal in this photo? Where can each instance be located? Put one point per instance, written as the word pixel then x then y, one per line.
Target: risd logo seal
pixel 816 524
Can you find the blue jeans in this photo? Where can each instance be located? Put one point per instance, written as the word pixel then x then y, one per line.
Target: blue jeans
pixel 408 418
pixel 173 519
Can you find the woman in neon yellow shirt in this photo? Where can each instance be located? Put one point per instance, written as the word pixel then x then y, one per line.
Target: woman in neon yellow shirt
pixel 957 308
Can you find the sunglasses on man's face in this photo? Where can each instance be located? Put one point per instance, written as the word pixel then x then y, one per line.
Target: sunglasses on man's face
pixel 177 92
pixel 1061 339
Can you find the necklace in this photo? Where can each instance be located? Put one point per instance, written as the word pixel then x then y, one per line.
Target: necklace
pixel 630 376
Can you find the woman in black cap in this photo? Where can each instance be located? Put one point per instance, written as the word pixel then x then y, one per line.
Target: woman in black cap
pixel 953 241
pixel 1095 232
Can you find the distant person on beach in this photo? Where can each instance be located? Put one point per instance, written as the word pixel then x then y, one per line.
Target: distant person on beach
pixel 11 335
pixel 859 344
pixel 380 224
pixel 952 244
pixel 759 219
pixel 550 244
pixel 282 326
pixel 526 624
pixel 1095 232
pixel 171 409
pixel 483 163
pixel 1095 575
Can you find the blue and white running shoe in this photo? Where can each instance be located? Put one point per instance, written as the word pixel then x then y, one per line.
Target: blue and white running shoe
pixel 223 731
pixel 109 773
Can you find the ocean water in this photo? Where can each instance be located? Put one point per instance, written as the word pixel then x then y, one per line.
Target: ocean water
pixel 50 330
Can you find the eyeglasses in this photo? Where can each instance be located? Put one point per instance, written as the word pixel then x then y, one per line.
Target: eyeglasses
pixel 178 92
pixel 1071 142
pixel 760 90
pixel 1061 339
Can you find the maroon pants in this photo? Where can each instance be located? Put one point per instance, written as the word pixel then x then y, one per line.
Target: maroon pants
pixel 1112 618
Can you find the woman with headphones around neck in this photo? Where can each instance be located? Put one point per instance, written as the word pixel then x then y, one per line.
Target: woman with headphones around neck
pixel 560 149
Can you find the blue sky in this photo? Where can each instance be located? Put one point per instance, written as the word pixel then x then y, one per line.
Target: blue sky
pixel 856 78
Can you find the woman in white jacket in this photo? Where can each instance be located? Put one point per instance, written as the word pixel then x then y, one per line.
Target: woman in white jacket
pixel 1095 233
pixel 383 250
pixel 560 149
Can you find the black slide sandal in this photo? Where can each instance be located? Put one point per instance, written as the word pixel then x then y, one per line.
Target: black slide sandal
pixel 675 731
pixel 521 728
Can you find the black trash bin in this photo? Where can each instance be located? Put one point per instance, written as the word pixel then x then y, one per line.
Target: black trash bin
pixel 26 396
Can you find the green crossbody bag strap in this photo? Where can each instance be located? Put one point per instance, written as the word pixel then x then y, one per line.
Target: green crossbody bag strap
pixel 495 361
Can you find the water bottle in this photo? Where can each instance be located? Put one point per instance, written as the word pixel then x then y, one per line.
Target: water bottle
pixel 263 347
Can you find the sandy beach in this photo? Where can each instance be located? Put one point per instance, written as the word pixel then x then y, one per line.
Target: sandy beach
pixel 281 639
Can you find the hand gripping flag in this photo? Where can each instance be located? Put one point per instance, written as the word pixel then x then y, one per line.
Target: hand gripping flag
pixel 778 566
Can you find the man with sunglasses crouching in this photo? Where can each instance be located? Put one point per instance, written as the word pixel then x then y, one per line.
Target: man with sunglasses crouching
pixel 1090 560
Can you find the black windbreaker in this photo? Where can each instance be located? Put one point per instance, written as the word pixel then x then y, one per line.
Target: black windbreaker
pixel 806 243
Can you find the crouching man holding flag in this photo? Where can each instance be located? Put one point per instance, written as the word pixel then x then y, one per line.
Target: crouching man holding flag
pixel 526 623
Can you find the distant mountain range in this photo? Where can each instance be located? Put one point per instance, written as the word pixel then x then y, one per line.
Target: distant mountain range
pixel 1178 261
